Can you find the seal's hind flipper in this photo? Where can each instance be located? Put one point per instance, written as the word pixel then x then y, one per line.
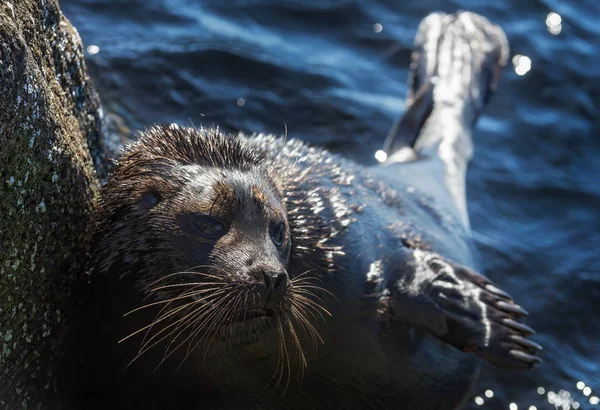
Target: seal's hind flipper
pixel 456 64
pixel 464 309
pixel 406 131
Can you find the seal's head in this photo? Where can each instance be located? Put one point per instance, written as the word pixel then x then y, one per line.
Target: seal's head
pixel 194 222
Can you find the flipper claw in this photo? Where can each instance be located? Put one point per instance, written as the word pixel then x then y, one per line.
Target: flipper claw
pixel 476 320
pixel 518 326
pixel 512 308
pixel 525 357
pixel 497 291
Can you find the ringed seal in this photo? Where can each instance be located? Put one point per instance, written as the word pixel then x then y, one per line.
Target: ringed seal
pixel 266 273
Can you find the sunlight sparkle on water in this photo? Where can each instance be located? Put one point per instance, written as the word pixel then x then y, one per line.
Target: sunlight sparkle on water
pixel 479 401
pixel 541 390
pixel 93 49
pixel 377 28
pixel 532 408
pixel 522 64
pixel 564 400
pixel 489 393
pixel 241 102
pixel 381 155
pixel 554 23
pixel 513 406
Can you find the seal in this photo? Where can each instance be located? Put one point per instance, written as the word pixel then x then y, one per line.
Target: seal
pixel 249 270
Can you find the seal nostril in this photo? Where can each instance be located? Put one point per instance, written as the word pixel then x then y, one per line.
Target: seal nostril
pixel 268 280
pixel 280 281
pixel 275 282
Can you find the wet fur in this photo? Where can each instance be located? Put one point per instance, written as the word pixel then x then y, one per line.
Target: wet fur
pixel 336 213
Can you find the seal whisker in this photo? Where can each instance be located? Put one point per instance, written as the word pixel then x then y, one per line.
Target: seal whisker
pixel 188 294
pixel 298 314
pixel 245 309
pixel 164 311
pixel 254 297
pixel 280 355
pixel 145 343
pixel 297 281
pixel 227 317
pixel 166 315
pixel 208 316
pixel 213 295
pixel 197 325
pixel 159 319
pixel 183 285
pixel 298 345
pixel 287 358
pixel 213 326
pixel 193 317
pixel 312 304
pixel 301 276
pixel 306 294
pixel 171 275
pixel 318 288
pixel 190 320
pixel 231 317
pixel 314 313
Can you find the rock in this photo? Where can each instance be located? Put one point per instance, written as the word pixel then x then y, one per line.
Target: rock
pixel 50 120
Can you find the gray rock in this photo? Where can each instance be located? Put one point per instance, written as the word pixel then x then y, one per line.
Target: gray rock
pixel 50 138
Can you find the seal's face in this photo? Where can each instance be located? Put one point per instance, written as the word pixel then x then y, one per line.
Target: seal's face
pixel 222 245
pixel 225 224
pixel 196 225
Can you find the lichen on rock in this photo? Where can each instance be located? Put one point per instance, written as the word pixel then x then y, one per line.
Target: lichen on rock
pixel 50 140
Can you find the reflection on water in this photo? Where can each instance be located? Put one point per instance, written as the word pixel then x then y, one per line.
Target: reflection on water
pixel 554 23
pixel 93 49
pixel 562 400
pixel 522 64
pixel 380 155
pixel 334 73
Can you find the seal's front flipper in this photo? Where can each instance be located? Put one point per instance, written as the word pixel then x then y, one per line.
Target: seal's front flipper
pixel 464 309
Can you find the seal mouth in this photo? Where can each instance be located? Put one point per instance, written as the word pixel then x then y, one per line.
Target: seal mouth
pixel 250 329
pixel 248 315
pixel 270 312
pixel 223 317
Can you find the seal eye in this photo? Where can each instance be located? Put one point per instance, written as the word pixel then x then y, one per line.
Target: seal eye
pixel 210 227
pixel 278 235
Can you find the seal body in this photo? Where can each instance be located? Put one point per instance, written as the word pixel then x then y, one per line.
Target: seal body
pixel 252 271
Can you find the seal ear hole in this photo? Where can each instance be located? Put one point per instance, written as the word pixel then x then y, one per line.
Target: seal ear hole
pixel 150 199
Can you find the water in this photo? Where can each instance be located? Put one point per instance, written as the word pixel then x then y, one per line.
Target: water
pixel 334 73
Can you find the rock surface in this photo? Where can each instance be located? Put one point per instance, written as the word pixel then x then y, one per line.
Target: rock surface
pixel 50 120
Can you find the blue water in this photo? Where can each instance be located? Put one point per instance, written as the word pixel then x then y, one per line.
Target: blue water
pixel 323 70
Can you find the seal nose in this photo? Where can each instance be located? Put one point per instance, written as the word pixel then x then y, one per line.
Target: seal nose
pixel 276 283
